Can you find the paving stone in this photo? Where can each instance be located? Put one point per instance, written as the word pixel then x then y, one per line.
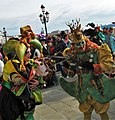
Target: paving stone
pixel 58 105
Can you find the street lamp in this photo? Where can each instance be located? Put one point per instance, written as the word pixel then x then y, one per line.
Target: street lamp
pixel 4 32
pixel 44 18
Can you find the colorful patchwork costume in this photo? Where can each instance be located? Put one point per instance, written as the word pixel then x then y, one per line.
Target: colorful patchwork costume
pixel 17 99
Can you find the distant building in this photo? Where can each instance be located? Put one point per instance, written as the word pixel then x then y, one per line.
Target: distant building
pixel 57 32
pixel 54 32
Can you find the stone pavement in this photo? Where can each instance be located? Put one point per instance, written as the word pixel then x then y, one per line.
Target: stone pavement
pixel 58 105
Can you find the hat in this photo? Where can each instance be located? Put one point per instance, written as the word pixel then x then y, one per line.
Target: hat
pixel 26 31
pixel 91 24
pixel 13 45
pixel 25 28
pixel 37 44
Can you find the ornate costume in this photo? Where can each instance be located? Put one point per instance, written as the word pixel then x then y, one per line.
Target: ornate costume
pixel 90 85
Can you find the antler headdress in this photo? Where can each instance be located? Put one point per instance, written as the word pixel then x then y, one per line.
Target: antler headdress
pixel 75 28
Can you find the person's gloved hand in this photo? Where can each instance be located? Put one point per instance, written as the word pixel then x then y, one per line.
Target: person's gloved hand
pixel 87 65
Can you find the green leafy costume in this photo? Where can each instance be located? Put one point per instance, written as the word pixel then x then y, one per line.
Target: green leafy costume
pixel 99 86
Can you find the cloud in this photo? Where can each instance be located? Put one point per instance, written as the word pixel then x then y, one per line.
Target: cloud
pixel 17 13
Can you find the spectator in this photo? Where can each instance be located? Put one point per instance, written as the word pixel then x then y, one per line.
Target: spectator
pixel 50 48
pixel 59 48
pixel 60 44
pixel 99 38
pixel 111 41
pixel 67 41
pixel 45 47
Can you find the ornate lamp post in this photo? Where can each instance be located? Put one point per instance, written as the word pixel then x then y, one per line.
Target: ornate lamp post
pixel 4 32
pixel 44 18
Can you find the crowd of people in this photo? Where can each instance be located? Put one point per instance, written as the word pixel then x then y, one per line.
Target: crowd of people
pixel 29 63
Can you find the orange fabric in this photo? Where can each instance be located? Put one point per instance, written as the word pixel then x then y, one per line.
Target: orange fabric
pixel 97 69
pixel 91 45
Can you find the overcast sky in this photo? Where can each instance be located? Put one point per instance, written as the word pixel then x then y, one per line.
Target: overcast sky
pixel 17 13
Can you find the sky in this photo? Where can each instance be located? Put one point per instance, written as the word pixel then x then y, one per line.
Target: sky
pixel 18 13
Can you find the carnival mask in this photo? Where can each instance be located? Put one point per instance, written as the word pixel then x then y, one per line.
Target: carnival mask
pixel 80 44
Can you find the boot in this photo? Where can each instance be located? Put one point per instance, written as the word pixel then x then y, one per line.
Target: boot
pixel 87 116
pixel 104 116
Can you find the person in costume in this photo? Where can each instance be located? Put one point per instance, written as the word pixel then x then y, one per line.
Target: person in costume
pixel 22 78
pixel 28 36
pixel 88 82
